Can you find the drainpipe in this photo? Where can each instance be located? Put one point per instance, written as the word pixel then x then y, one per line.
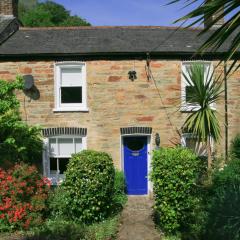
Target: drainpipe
pixel 226 110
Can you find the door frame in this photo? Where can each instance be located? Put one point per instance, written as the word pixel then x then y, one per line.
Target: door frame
pixel 149 156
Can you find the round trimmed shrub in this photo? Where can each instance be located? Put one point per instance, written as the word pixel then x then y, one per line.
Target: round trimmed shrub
pixel 89 186
pixel 175 173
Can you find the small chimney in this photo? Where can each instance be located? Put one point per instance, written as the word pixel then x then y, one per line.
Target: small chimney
pixel 9 8
pixel 209 19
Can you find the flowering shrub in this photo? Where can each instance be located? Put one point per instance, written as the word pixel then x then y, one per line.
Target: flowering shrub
pixel 23 195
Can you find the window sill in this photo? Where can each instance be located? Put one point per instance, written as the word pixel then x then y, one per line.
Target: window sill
pixel 56 180
pixel 75 109
pixel 191 108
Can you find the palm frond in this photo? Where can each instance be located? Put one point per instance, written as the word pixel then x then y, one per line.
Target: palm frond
pixel 206 90
pixel 228 32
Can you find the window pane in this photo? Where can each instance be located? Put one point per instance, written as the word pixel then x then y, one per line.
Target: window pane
pixel 190 94
pixel 53 147
pixel 198 147
pixel 71 94
pixel 66 147
pixel 71 76
pixel 134 144
pixel 53 164
pixel 191 143
pixel 63 164
pixel 78 144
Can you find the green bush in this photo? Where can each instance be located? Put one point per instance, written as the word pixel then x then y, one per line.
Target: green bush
pixel 58 229
pixel 18 141
pixel 119 195
pixel 59 196
pixel 57 203
pixel 89 186
pixel 105 230
pixel 235 147
pixel 224 217
pixel 175 174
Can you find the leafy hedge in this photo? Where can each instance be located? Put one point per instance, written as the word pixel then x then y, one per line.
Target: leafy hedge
pixel 175 173
pixel 23 195
pixel 88 188
pixel 119 197
pixel 224 201
pixel 235 146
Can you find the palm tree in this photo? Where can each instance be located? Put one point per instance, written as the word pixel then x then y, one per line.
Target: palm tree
pixel 228 32
pixel 202 122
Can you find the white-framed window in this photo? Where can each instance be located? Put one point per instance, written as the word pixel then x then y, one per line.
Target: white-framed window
pixel 70 86
pixel 186 90
pixel 190 141
pixel 58 151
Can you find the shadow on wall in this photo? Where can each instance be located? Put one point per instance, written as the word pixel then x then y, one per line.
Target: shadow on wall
pixel 32 93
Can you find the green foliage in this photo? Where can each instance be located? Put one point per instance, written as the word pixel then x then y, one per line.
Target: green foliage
pixel 57 204
pixel 224 217
pixel 24 6
pixel 9 101
pixel 174 237
pixel 18 141
pixel 104 230
pixel 59 209
pixel 203 12
pixel 235 146
pixel 48 14
pixel 89 186
pixel 58 229
pixel 119 196
pixel 175 174
pixel 203 121
pixel 23 195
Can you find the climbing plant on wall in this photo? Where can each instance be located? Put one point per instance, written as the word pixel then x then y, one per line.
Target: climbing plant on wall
pixel 18 140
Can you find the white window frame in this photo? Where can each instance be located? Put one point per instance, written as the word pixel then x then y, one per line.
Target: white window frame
pixel 188 107
pixel 58 178
pixel 69 107
pixel 184 137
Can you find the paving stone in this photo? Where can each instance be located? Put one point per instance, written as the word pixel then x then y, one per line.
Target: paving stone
pixel 136 220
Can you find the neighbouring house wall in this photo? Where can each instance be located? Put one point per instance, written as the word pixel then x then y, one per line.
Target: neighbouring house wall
pixel 114 101
pixel 234 104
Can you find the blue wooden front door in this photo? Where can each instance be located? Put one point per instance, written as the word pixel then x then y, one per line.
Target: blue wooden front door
pixel 135 165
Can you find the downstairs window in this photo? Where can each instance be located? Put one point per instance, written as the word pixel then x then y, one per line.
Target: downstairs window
pixel 60 149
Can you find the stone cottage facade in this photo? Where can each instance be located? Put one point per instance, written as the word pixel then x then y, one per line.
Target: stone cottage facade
pixel 111 89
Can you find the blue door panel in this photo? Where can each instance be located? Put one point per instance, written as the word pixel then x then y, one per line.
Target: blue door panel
pixel 135 165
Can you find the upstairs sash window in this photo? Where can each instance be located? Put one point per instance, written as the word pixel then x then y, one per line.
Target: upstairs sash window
pixel 70 94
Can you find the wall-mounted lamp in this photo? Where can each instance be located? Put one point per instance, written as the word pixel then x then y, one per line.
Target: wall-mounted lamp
pixel 132 75
pixel 157 140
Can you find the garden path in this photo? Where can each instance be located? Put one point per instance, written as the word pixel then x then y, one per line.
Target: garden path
pixel 136 220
